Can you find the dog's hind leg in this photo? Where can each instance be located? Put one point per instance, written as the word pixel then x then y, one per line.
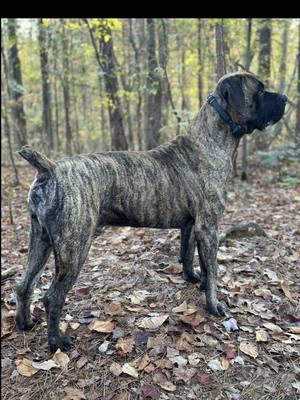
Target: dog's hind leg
pixel 69 258
pixel 39 251
pixel 187 253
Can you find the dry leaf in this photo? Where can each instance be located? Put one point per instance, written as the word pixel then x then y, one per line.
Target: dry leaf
pixel 286 290
pixel 81 362
pixel 261 335
pixel 249 348
pixel 73 394
pixel 153 322
pixel 224 363
pixel 45 365
pixel 150 391
pixel 138 296
pixel 115 369
pixel 104 346
pixel 272 327
pixel 130 370
pixel 141 362
pixel 194 319
pixel 161 380
pixel 113 309
pixel 181 308
pixel 215 365
pixel 201 378
pixel 184 374
pixel 294 329
pixel 104 326
pixel 125 345
pixel 265 293
pixel 60 358
pixel 230 352
pixel 177 280
pixel 74 325
pixel 25 368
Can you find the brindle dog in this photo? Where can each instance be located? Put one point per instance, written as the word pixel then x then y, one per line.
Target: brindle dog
pixel 181 184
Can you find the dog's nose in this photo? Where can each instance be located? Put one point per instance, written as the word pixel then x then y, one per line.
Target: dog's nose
pixel 284 97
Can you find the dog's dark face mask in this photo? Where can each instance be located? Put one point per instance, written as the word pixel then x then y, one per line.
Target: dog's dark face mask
pixel 249 104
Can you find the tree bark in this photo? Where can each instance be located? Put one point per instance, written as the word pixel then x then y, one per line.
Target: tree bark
pixel 247 61
pixel 264 56
pixel 66 89
pixel 106 60
pixel 47 113
pixel 298 94
pixel 200 61
pixel 137 57
pixel 16 84
pixel 154 93
pixel 221 62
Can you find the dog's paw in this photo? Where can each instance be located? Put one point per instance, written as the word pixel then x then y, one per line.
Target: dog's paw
pixel 192 277
pixel 25 325
pixel 64 343
pixel 216 309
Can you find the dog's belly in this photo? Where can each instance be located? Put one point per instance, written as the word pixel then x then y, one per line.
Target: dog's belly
pixel 152 217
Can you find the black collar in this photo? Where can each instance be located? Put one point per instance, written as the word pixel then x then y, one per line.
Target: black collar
pixel 237 130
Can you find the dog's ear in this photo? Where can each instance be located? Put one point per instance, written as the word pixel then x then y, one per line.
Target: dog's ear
pixel 232 91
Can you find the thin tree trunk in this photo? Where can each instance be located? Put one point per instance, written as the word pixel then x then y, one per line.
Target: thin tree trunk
pixel 7 130
pixel 16 85
pixel 247 61
pixel 55 73
pixel 106 60
pixel 200 61
pixel 264 56
pixel 66 89
pixel 298 94
pixel 47 135
pixel 137 57
pixel 154 93
pixel 221 62
pixel 163 60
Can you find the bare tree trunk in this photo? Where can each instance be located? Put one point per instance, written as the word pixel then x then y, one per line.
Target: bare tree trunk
pixel 298 94
pixel 221 62
pixel 200 61
pixel 16 85
pixel 163 53
pixel 66 91
pixel 5 115
pixel 264 56
pixel 154 94
pixel 106 60
pixel 55 73
pixel 47 115
pixel 247 61
pixel 137 57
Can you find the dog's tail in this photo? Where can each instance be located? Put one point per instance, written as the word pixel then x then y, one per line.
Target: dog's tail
pixel 37 160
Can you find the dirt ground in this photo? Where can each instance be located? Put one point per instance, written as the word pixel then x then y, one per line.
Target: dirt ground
pixel 141 332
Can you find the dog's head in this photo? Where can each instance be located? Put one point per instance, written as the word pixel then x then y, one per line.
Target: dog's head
pixel 248 103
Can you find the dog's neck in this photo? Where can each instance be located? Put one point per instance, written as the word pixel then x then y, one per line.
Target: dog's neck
pixel 216 136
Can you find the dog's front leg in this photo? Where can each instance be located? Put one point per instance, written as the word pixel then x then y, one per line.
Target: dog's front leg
pixel 187 250
pixel 206 234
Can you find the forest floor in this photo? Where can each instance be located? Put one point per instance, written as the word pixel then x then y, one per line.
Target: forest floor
pixel 141 332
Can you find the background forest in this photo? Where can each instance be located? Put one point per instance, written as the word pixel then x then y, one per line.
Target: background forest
pixel 82 85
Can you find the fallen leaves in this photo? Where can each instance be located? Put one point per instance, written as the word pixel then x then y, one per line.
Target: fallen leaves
pixel 125 345
pixel 113 309
pixel 261 335
pixel 193 319
pixel 249 348
pixel 25 368
pixel 28 367
pixel 103 326
pixel 153 322
pixel 73 394
pixel 130 370
pixel 161 380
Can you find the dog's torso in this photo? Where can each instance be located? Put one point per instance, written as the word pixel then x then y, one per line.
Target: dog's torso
pixel 161 188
